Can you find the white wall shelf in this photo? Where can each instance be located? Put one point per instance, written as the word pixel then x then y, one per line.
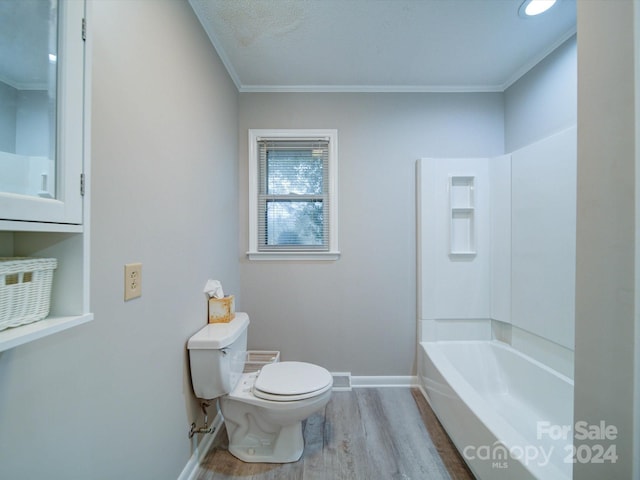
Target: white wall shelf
pixel 14 337
pixel 18 226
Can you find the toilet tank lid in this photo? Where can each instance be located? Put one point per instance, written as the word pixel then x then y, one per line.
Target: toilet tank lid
pixel 219 335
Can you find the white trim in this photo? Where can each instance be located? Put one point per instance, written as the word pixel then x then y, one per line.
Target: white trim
pixel 496 88
pixel 190 471
pixel 275 256
pixel 289 133
pixel 421 387
pixel 86 156
pixel 536 60
pixel 384 381
pixel 371 88
pixel 199 7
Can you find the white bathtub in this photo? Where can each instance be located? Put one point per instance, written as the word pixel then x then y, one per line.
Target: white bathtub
pixel 509 416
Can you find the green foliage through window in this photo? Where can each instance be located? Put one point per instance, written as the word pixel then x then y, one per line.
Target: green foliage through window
pixel 293 190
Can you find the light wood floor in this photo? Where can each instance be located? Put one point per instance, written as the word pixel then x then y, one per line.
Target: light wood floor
pixel 368 434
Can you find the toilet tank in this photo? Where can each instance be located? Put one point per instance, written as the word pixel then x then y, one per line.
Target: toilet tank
pixel 217 354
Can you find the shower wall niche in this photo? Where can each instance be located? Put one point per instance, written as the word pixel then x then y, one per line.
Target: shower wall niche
pixel 461 232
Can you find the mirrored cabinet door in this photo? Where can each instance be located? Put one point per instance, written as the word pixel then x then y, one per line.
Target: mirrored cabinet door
pixel 41 110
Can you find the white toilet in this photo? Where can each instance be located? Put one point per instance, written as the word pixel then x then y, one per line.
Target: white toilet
pixel 263 411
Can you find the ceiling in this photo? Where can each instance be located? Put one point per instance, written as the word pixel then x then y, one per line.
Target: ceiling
pixel 381 45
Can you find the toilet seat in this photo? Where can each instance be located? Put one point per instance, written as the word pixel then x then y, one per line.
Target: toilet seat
pixel 291 381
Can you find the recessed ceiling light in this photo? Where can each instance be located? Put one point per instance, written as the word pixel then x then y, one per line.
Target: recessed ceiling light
pixel 535 7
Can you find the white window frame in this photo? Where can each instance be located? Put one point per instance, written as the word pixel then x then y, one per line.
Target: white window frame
pixel 255 135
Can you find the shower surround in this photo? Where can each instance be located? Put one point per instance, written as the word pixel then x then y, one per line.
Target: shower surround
pixel 496 287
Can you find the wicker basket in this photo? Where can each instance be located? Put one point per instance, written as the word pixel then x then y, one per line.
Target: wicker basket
pixel 25 290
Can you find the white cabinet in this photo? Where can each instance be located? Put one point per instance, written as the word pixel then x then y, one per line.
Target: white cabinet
pixel 56 109
pixel 58 227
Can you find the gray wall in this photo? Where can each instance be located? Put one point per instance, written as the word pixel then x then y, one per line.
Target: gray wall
pixel 358 314
pixel 544 101
pixel 607 292
pixel 112 398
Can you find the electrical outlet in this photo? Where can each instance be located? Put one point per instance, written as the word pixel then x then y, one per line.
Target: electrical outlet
pixel 132 280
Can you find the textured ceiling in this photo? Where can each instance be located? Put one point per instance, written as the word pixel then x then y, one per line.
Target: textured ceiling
pixel 380 45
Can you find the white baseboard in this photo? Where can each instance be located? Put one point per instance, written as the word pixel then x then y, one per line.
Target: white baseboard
pixel 425 394
pixel 384 381
pixel 200 450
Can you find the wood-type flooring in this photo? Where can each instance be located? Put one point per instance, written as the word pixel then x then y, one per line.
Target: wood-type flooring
pixel 364 434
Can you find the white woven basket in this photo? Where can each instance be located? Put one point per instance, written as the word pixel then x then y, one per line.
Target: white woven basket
pixel 25 290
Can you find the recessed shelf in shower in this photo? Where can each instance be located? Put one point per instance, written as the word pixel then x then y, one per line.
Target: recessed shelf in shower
pixel 461 200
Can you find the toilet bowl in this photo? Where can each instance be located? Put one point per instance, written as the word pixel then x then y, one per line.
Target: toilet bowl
pixel 270 430
pixel 263 411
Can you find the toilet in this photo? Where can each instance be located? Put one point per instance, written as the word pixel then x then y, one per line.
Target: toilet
pixel 263 411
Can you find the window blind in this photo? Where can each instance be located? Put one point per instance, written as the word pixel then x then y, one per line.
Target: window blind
pixel 293 194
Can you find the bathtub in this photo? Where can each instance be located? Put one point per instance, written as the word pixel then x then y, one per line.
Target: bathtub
pixel 509 416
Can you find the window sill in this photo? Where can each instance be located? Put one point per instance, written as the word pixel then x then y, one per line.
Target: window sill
pixel 13 337
pixel 294 256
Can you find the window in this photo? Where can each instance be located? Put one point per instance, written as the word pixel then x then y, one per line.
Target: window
pixel 293 202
